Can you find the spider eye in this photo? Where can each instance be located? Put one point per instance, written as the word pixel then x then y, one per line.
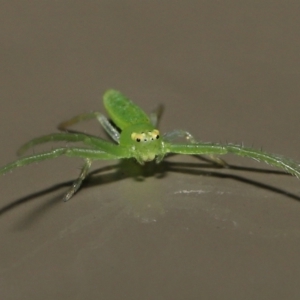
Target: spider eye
pixel 137 136
pixel 155 134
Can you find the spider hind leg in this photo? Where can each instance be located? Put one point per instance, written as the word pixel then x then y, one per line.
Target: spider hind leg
pixel 108 127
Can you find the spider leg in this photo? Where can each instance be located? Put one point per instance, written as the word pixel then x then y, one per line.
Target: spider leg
pixel 87 140
pixel 103 151
pixel 156 115
pixel 174 134
pixel 275 160
pixel 108 127
pixel 79 118
pixel 77 183
pixel 85 153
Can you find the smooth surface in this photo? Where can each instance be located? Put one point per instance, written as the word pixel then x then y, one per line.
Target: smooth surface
pixel 225 71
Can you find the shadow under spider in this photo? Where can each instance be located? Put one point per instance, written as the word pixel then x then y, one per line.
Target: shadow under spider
pixel 130 168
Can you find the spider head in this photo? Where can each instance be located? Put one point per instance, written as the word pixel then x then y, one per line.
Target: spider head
pixel 143 141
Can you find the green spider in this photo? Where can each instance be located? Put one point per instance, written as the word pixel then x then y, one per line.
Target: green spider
pixel 136 137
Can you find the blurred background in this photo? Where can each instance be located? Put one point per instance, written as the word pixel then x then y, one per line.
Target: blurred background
pixel 226 72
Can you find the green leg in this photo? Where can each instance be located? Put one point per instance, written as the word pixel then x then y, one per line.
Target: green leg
pixel 156 115
pixel 56 137
pixel 77 183
pixel 175 134
pixel 110 129
pixel 286 164
pixel 77 119
pixel 275 160
pixel 70 152
pixel 93 142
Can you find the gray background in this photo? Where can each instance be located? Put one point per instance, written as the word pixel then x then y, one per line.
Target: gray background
pixel 227 71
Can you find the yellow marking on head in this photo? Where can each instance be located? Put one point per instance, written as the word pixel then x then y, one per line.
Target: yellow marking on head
pixel 154 134
pixel 145 136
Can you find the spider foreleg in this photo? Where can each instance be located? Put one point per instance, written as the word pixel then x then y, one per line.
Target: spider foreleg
pixel 84 153
pixel 93 142
pixel 59 137
pixel 275 160
pixel 77 183
pixel 175 134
